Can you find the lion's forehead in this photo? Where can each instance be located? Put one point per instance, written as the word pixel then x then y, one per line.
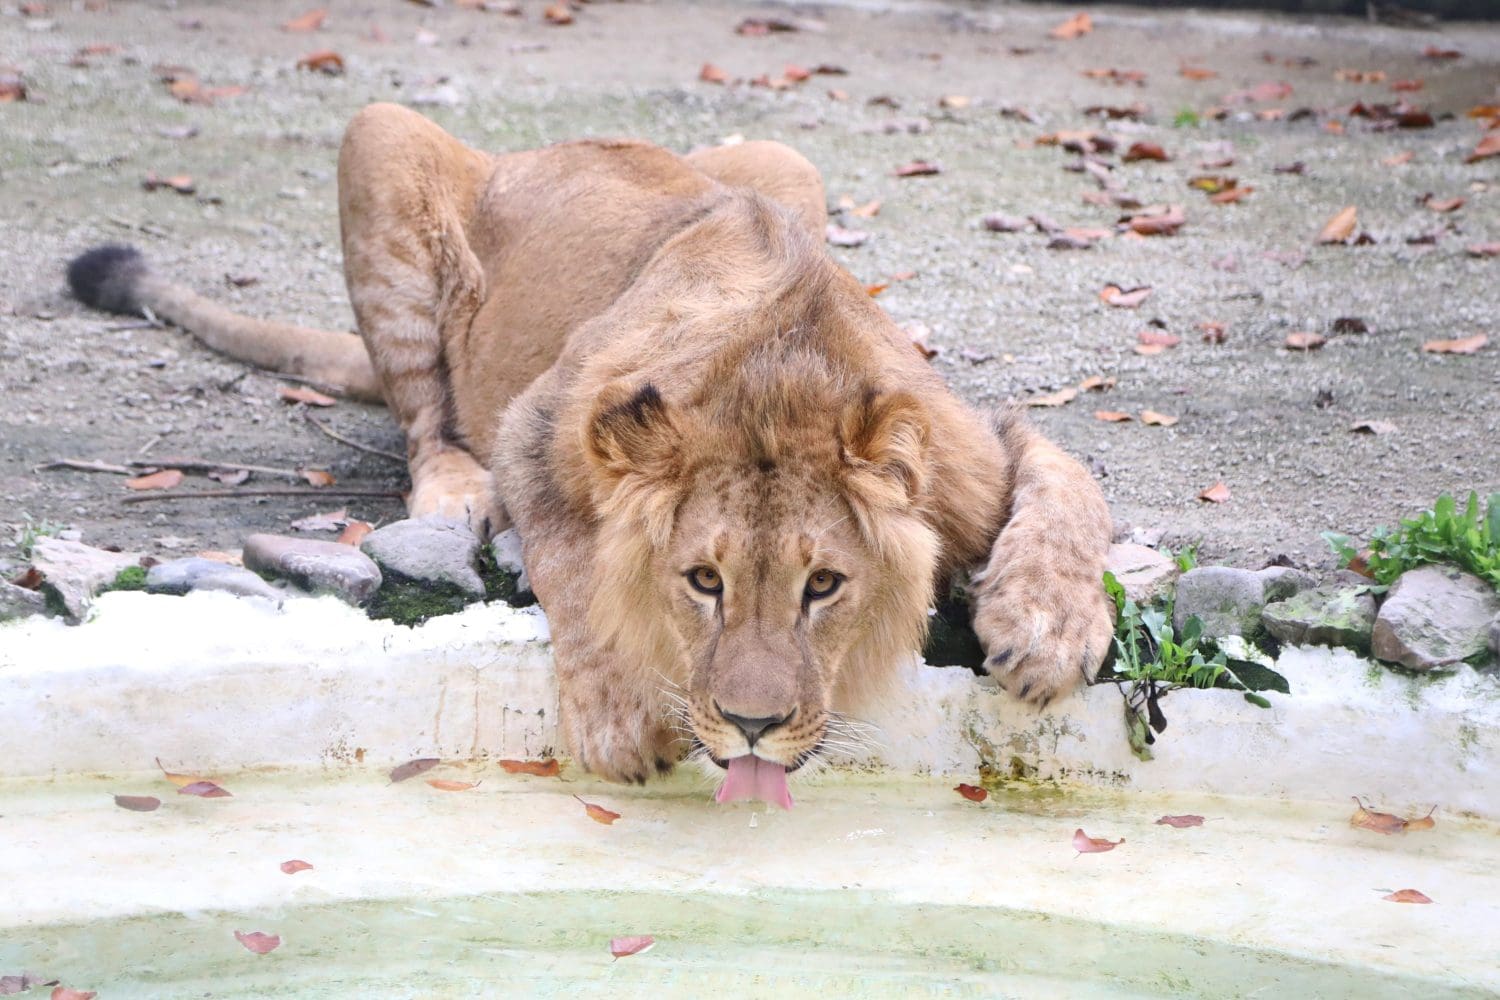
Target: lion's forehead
pixel 777 514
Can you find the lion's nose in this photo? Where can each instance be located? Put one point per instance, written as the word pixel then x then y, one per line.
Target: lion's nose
pixel 755 728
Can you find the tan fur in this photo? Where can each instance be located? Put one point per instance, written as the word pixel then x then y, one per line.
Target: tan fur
pixel 649 364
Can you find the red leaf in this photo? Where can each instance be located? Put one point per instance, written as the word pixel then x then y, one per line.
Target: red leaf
pixel 918 168
pixel 204 790
pixel 1488 146
pixel 323 61
pixel 1153 419
pixel 1433 52
pixel 163 480
pixel 1217 493
pixel 558 14
pixel 302 394
pixel 1180 822
pixel 624 947
pixel 599 814
pixel 1145 151
pixel 1158 337
pixel 1074 27
pixel 317 477
pixel 354 533
pixel 444 785
pixel 548 768
pixel 293 867
pixel 1341 227
pixel 1084 844
pixel 1483 249
pixel 311 21
pixel 1463 345
pixel 1399 896
pixel 712 74
pixel 971 792
pixel 1124 298
pixel 1443 205
pixel 258 942
pixel 1158 224
pixel 1112 416
pixel 138 803
pixel 412 768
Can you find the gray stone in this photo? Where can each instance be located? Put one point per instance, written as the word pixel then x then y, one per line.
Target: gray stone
pixel 428 550
pixel 75 572
pixel 1495 636
pixel 1323 616
pixel 1434 616
pixel 1144 572
pixel 178 576
pixel 18 602
pixel 1229 601
pixel 506 550
pixel 321 567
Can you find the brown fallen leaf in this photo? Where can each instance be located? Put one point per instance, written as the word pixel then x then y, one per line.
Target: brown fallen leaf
pixel 1302 340
pixel 1483 249
pixel 1350 324
pixel 1162 223
pixel 1153 419
pixel 558 14
pixel 204 790
pixel 1376 427
pixel 180 780
pixel 918 333
pixel 1112 416
pixel 1488 146
pixel 1408 86
pixel 412 768
pixel 624 947
pixel 838 236
pixel 1074 27
pixel 954 102
pixel 1145 151
pixel 138 803
pixel 65 993
pixel 294 866
pixel 1196 73
pixel 1434 52
pixel 868 210
pixel 317 477
pixel 1213 332
pixel 311 21
pixel 1407 896
pixel 1124 298
pixel 548 768
pixel 163 480
pixel 1231 196
pixel 712 74
pixel 1217 493
pixel 354 532
pixel 1180 822
pixel 1365 818
pixel 971 792
pixel 1423 822
pixel 1157 338
pixel 258 942
pixel 331 520
pixel 918 168
pixel 229 477
pixel 12 87
pixel 1059 398
pixel 1098 383
pixel 322 61
pixel 1443 205
pixel 1084 844
pixel 1341 227
pixel 1463 345
pixel 1268 91
pixel 598 813
pixel 181 183
pixel 1397 159
pixel 302 394
pixel 873 290
pixel 445 785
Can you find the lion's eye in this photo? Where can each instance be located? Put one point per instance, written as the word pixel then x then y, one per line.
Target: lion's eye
pixel 823 583
pixel 706 580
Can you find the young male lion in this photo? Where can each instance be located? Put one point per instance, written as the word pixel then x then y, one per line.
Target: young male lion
pixel 736 482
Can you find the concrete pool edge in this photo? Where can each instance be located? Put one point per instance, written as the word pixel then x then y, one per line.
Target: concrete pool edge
pixel 210 681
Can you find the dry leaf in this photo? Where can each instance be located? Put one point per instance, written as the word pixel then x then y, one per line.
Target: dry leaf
pixel 311 21
pixel 1213 332
pixel 1097 383
pixel 1341 227
pixel 1443 205
pixel 1268 91
pixel 1381 822
pixel 918 168
pixel 323 61
pixel 1217 493
pixel 954 102
pixel 918 333
pixel 1074 27
pixel 444 785
pixel 163 480
pixel 1463 345
pixel 1398 159
pixel 229 477
pixel 874 290
pixel 1376 427
pixel 1423 822
pixel 1304 341
pixel 557 13
pixel 1483 249
pixel 294 866
pixel 1084 844
pixel 1402 896
pixel 1165 223
pixel 1153 419
pixel 333 520
pixel 599 814
pixel 138 803
pixel 624 947
pixel 712 74
pixel 302 394
pixel 1433 52
pixel 181 183
pixel 1180 822
pixel 1112 416
pixel 1150 350
pixel 1157 338
pixel 1231 196
pixel 1058 398
pixel 258 942
pixel 795 73
pixel 548 768
pixel 1144 151
pixel 64 993
pixel 180 780
pixel 868 210
pixel 204 790
pixel 838 236
pixel 354 533
pixel 1196 73
pixel 412 768
pixel 1488 146
pixel 317 477
pixel 971 792
pixel 1350 324
pixel 1124 298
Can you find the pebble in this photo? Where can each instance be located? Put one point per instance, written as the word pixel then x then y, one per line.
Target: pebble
pixel 18 602
pixel 178 576
pixel 1229 601
pixel 1323 616
pixel 76 571
pixel 1144 572
pixel 429 550
pixel 320 567
pixel 1434 617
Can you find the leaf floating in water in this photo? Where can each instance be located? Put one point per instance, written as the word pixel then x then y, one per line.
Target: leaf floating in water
pixel 624 947
pixel 258 942
pixel 599 814
pixel 1407 896
pixel 294 866
pixel 412 768
pixel 204 790
pixel 1084 844
pixel 444 785
pixel 1180 822
pixel 971 792
pixel 548 768
pixel 138 803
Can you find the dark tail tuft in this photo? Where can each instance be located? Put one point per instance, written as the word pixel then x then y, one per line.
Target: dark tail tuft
pixel 107 277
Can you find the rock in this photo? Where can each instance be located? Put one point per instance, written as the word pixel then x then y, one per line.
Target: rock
pixel 74 572
pixel 1434 616
pixel 1323 616
pixel 1229 601
pixel 433 549
pixel 321 567
pixel 18 602
pixel 1495 636
pixel 506 550
pixel 1144 572
pixel 178 576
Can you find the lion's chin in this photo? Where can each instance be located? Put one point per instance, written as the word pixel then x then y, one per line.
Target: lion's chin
pixel 752 777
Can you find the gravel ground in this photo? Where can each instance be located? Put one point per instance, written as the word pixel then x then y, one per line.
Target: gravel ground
pixel 1271 424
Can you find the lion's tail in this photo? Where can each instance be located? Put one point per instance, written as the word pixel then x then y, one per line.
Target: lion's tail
pixel 118 279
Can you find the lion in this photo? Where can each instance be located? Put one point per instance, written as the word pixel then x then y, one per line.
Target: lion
pixel 737 485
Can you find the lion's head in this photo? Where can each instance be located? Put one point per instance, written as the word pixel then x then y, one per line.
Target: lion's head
pixel 762 547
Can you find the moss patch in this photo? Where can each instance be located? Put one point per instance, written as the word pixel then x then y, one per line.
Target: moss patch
pixel 411 602
pixel 129 578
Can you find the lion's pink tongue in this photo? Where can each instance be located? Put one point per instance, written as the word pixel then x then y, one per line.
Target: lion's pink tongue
pixel 750 777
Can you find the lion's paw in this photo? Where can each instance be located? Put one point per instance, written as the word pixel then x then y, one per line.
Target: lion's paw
pixel 453 485
pixel 616 736
pixel 1044 633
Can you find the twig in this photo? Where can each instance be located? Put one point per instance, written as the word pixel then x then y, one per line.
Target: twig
pixel 204 465
pixel 85 466
pixel 236 494
pixel 352 443
pixel 149 445
pixel 142 324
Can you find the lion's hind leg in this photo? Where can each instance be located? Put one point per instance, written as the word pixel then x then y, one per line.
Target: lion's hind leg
pixel 773 169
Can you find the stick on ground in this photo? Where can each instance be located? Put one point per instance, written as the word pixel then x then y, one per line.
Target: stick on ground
pixel 352 443
pixel 236 494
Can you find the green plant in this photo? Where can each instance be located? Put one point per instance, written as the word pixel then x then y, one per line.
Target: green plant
pixel 1439 535
pixel 28 533
pixel 1185 118
pixel 1186 557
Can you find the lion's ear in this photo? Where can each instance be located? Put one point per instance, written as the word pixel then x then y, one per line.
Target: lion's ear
pixel 884 438
pixel 631 432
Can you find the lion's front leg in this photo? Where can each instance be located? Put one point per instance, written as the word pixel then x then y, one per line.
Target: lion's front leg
pixel 1040 609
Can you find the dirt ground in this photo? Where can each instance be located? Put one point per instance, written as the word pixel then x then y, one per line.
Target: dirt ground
pixel 1011 317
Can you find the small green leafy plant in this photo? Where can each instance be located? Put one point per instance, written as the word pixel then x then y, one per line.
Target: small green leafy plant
pixel 1439 535
pixel 28 533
